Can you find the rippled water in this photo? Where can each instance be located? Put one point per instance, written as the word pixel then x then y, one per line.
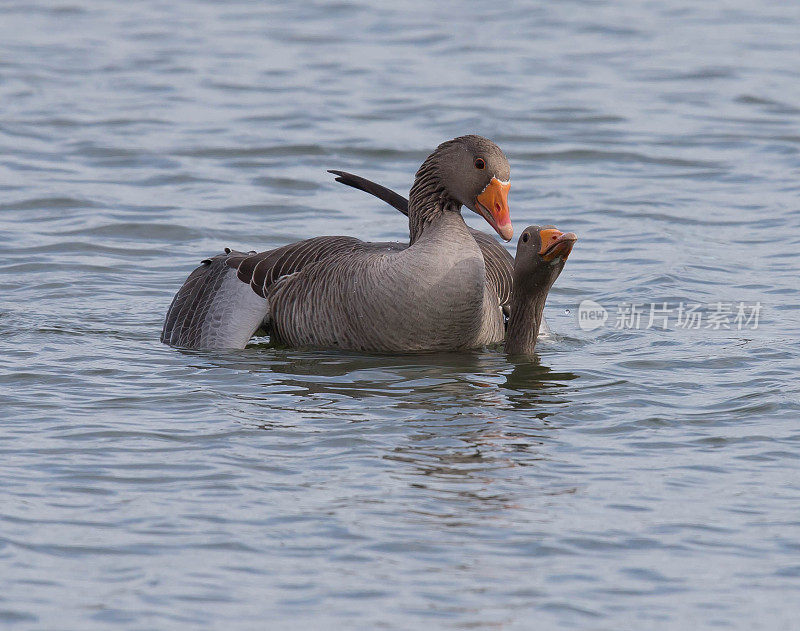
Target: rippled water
pixel 627 479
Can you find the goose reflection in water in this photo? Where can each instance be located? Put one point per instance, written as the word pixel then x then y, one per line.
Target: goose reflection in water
pixel 480 383
pixel 434 426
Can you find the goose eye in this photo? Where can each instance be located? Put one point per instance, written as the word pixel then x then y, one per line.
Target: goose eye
pixel 479 163
pixel 525 237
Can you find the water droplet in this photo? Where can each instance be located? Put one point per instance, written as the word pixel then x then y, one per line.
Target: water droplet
pixel 567 311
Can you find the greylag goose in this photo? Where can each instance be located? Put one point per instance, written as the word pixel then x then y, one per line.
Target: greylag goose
pixel 541 255
pixel 340 292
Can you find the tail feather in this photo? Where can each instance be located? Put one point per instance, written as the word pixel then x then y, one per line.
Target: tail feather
pixel 214 309
pixel 368 186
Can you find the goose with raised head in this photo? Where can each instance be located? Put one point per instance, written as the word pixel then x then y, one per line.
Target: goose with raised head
pixel 541 255
pixel 340 292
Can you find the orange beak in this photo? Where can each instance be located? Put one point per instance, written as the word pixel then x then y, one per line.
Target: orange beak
pixel 556 244
pixel 492 204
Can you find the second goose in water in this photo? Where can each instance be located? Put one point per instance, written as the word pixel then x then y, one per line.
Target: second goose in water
pixel 541 255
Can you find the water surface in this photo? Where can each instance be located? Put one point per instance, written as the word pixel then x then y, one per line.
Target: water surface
pixel 625 479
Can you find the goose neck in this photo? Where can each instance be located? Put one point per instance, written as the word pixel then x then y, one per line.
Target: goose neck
pixel 524 321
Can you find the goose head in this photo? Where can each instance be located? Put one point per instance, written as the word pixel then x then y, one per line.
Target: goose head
pixel 541 255
pixel 473 172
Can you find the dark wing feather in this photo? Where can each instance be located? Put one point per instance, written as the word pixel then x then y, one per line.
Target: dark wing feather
pixel 499 263
pixel 264 268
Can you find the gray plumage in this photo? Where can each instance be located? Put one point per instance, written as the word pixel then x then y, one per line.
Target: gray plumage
pixel 499 263
pixel 429 296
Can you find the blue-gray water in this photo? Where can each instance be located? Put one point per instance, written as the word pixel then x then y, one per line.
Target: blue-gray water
pixel 631 479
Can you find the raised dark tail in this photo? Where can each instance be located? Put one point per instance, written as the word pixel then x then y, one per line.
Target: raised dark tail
pixel 368 186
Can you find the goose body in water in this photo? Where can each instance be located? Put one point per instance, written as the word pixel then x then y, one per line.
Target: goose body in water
pixel 340 292
pixel 540 258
